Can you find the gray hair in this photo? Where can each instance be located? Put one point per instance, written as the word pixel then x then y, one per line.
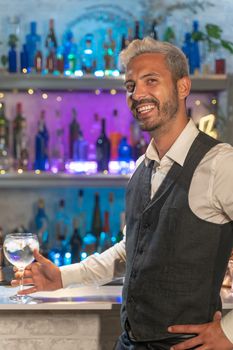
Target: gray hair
pixel 175 59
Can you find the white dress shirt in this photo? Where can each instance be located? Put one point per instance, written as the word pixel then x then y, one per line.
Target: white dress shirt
pixel 210 198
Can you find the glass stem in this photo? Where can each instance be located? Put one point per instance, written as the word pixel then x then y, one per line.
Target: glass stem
pixel 21 280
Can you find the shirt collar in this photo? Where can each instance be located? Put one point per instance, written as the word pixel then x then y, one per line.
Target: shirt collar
pixel 179 150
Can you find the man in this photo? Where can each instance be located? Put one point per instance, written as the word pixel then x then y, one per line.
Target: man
pixel 178 218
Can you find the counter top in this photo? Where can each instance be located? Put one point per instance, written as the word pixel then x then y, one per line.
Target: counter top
pixel 79 298
pixel 74 298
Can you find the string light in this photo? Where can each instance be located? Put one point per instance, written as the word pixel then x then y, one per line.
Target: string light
pixel 44 96
pixel 214 101
pixel 59 98
pixel 30 91
pixel 1 94
pixel 113 92
pixel 197 102
pixel 97 92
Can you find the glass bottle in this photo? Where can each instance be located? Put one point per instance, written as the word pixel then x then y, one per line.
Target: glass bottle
pixel 57 161
pixel 41 145
pixel 80 152
pixel 24 59
pixel 19 132
pixel 103 149
pixel 51 39
pixel 137 34
pixel 42 225
pixel 76 244
pixel 51 45
pixel 109 51
pixel 4 139
pixel 62 227
pixel 32 41
pixel 96 226
pixel 74 129
pixel 88 57
pixel 69 51
pixel 38 60
pixel 105 236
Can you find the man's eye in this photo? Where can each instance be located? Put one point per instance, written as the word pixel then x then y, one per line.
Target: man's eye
pixel 151 81
pixel 129 87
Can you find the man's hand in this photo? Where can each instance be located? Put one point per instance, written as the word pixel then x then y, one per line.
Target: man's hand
pixel 42 274
pixel 209 336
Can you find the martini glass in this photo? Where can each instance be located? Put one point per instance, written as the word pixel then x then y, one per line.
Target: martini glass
pixel 18 249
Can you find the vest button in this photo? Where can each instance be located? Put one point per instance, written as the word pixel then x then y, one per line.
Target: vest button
pixel 146 225
pixel 140 251
pixel 134 274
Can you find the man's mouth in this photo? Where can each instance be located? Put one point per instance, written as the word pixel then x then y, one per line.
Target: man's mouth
pixel 145 108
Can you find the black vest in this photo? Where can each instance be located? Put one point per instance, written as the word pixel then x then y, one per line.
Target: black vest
pixel 175 261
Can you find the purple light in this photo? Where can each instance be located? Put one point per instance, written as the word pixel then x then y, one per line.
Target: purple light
pixel 88 167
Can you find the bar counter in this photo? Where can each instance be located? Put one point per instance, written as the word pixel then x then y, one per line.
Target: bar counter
pixel 67 319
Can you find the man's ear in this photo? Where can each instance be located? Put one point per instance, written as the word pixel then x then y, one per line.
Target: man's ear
pixel 183 87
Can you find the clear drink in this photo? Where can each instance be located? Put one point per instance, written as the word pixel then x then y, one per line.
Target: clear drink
pixel 18 249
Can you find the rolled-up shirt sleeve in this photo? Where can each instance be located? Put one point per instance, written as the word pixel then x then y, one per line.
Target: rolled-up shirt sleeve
pixel 98 269
pixel 227 325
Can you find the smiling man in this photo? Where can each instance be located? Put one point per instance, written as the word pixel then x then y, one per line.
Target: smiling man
pixel 179 212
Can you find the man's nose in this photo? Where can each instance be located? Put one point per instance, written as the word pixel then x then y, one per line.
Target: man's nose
pixel 138 93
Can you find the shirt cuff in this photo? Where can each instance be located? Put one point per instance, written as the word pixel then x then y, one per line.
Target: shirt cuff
pixel 71 274
pixel 227 325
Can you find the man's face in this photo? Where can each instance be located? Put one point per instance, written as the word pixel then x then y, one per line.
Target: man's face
pixel 151 93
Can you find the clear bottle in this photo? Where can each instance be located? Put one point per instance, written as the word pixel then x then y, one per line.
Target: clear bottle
pixel 103 149
pixel 62 227
pixel 57 161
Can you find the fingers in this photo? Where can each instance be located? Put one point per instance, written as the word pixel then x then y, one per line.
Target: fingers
pixel 27 291
pixel 187 344
pixel 190 329
pixel 217 316
pixel 26 281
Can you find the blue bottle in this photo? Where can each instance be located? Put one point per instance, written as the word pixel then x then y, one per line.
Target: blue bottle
pixel 24 64
pixel 195 52
pixel 80 151
pixel 32 40
pixel 187 48
pixel 124 150
pixel 69 52
pixel 12 60
pixel 87 56
pixel 41 145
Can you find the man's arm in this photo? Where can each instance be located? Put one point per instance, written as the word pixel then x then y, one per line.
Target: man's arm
pixel 44 275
